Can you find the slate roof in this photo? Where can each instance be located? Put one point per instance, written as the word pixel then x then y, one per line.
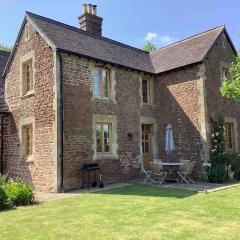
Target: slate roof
pixel 75 41
pixel 3 61
pixel 185 52
pixel 79 41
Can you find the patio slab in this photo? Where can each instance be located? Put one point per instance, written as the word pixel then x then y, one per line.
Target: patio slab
pixel 202 187
pixel 196 187
pixel 44 197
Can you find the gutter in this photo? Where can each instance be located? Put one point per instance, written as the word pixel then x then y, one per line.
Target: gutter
pixel 103 61
pixel 61 126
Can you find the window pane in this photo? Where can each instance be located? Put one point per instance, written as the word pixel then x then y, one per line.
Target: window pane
pixel 28 135
pixel 105 82
pixel 99 138
pixel 106 145
pixel 145 91
pixel 106 137
pixel 146 147
pixel 143 149
pixel 229 136
pixel 97 82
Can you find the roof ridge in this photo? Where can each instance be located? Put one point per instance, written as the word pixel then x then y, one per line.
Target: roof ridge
pixel 188 38
pixel 70 27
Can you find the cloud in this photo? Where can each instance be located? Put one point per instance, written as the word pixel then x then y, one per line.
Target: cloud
pixel 159 40
pixel 151 36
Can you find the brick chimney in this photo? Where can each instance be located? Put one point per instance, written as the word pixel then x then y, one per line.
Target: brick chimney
pixel 89 21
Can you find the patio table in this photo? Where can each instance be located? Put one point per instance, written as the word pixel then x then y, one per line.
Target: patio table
pixel 172 169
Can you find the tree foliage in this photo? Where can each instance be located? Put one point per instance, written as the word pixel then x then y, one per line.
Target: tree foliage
pixel 5 48
pixel 149 46
pixel 231 86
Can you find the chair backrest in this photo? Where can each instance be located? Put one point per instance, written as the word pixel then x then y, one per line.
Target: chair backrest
pixel 155 168
pixel 147 173
pixel 191 167
pixel 159 165
pixel 184 167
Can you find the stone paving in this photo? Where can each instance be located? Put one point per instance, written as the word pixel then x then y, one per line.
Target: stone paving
pixel 197 187
pixel 43 197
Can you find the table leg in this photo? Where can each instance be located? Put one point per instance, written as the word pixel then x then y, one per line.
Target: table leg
pixel 88 180
pixel 83 172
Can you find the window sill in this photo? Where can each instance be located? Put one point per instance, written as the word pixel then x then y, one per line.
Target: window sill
pixel 105 157
pixel 28 159
pixel 28 94
pixel 148 104
pixel 102 100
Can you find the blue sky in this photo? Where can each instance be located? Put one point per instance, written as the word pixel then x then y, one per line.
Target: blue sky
pixel 131 21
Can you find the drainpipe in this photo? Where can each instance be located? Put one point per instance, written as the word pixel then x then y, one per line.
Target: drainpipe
pixel 2 137
pixel 61 125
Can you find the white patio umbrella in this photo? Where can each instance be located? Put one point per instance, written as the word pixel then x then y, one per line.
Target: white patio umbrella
pixel 169 139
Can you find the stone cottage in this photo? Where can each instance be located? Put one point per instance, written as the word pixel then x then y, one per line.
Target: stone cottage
pixel 72 96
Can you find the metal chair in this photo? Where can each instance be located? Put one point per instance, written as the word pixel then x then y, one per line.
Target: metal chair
pixel 184 167
pixel 186 175
pixel 148 175
pixel 204 172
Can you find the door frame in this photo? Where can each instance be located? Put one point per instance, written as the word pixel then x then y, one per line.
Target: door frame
pixel 154 147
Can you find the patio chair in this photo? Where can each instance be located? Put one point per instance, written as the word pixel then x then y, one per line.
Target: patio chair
pixel 204 172
pixel 184 167
pixel 186 175
pixel 158 174
pixel 148 175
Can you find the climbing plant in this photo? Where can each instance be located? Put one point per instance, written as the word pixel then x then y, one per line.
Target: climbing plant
pixel 219 158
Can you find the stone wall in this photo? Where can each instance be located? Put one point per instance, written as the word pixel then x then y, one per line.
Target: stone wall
pixel 218 106
pixel 39 107
pixel 179 102
pixel 79 108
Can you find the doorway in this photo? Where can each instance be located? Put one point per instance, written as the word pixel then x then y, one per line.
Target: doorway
pixel 147 145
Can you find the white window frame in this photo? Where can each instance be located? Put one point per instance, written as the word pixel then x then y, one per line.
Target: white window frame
pixel 23 123
pixel 110 119
pixel 23 60
pixel 149 90
pixel 235 131
pixel 112 83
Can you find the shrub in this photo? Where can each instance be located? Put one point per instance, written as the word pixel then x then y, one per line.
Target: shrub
pixel 4 202
pixel 3 179
pixel 19 193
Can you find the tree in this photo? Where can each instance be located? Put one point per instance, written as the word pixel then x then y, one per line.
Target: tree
pixel 5 48
pixel 149 46
pixel 231 85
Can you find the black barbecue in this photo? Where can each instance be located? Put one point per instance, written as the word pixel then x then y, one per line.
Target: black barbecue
pixel 88 168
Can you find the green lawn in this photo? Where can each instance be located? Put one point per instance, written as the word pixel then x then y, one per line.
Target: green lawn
pixel 132 212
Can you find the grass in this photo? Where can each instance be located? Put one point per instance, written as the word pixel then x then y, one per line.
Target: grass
pixel 132 212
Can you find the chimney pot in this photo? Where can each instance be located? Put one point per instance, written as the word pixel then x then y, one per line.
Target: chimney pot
pixel 94 9
pixel 90 8
pixel 84 8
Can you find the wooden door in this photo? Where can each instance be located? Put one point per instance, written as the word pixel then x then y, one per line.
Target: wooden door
pixel 147 145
